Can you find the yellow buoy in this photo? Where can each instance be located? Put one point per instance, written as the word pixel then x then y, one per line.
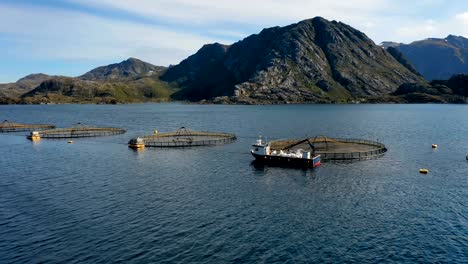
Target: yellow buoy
pixel 424 171
pixel 434 146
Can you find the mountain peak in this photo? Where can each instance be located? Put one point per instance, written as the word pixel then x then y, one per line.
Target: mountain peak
pixel 35 77
pixel 450 36
pixel 127 69
pixel 457 41
pixel 214 50
pixel 133 60
pixel 310 20
pixel 321 19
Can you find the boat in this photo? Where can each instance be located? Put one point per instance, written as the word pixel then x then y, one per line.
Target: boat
pixel 34 136
pixel 300 158
pixel 137 143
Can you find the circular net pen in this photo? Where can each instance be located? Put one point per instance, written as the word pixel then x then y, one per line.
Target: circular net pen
pixel 7 126
pixel 78 131
pixel 334 148
pixel 183 137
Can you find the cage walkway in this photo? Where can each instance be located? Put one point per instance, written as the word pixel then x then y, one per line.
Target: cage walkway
pixel 7 126
pixel 183 137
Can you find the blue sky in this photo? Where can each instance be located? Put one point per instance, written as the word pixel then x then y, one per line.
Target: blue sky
pixel 70 37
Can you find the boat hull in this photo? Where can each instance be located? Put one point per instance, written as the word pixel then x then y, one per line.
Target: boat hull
pixel 287 161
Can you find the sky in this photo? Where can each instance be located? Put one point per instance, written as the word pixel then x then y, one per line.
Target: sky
pixel 71 37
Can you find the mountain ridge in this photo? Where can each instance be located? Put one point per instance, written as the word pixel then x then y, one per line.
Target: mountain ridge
pixel 129 81
pixel 314 60
pixel 437 58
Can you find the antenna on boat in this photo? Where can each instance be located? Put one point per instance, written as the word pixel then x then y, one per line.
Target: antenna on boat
pixel 259 139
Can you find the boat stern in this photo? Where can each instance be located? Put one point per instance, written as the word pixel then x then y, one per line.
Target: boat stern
pixel 316 161
pixel 34 136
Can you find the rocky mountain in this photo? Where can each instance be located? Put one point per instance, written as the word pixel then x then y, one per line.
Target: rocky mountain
pixel 315 60
pixel 129 81
pixel 437 59
pixel 128 69
pixel 201 75
pixel 23 85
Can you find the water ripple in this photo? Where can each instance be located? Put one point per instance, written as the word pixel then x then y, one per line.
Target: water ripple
pixel 97 201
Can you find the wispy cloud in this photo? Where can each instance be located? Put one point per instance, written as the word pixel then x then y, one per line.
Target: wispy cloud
pixel 240 11
pixel 244 16
pixel 55 33
pixel 396 20
pixel 166 31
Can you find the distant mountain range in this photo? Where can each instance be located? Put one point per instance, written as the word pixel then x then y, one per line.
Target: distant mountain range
pixel 436 59
pixel 313 61
pixel 130 81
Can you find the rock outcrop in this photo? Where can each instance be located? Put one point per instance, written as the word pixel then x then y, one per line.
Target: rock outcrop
pixel 454 90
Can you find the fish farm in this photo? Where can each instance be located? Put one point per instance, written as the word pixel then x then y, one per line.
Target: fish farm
pixel 333 148
pixel 182 137
pixel 77 131
pixel 7 126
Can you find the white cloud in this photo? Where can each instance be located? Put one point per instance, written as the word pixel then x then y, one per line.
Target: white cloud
pixel 408 31
pixel 58 34
pixel 462 18
pixel 417 31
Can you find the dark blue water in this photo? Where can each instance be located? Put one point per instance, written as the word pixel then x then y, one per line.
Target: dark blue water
pixel 97 201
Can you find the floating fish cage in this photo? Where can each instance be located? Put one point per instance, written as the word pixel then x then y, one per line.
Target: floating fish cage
pixel 183 137
pixel 7 126
pixel 78 131
pixel 335 148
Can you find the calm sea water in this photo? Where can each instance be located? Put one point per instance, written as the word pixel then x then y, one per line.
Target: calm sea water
pixel 97 201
